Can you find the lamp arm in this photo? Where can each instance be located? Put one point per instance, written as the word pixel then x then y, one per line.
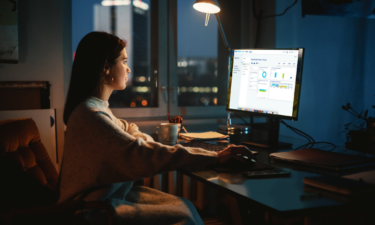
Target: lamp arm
pixel 223 33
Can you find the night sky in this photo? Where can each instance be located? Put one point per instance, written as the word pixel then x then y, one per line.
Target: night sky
pixel 194 38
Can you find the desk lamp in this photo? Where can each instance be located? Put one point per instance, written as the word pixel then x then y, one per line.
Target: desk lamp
pixel 208 7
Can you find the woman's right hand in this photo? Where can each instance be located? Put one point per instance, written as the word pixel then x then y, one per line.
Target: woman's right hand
pixel 235 152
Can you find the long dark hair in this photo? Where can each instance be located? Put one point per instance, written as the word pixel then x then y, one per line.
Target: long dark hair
pixel 93 51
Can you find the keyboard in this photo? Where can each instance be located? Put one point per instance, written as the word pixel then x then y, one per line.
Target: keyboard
pixel 207 146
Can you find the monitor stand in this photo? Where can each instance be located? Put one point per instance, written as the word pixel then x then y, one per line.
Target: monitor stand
pixel 262 135
pixel 266 135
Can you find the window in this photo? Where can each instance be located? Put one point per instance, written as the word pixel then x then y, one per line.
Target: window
pixel 196 57
pixel 195 78
pixel 133 21
pixel 172 55
pixel 130 21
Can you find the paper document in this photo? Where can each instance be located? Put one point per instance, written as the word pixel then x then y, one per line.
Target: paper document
pixel 204 135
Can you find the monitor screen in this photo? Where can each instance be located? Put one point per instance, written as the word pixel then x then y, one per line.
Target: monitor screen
pixel 266 82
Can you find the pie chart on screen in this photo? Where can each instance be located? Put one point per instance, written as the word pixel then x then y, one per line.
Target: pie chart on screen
pixel 264 74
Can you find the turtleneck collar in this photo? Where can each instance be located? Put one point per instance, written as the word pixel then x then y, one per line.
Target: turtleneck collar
pixel 97 103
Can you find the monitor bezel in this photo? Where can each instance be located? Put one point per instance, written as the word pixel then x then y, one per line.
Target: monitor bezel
pixel 301 52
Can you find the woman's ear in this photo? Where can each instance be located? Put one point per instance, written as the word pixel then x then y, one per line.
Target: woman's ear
pixel 106 69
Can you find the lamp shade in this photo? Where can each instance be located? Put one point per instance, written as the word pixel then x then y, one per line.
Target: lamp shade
pixel 207 6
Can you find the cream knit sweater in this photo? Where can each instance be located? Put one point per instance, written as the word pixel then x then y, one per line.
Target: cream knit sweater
pixel 103 155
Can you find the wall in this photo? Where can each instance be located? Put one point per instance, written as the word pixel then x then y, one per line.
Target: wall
pixel 369 81
pixel 83 20
pixel 338 68
pixel 43 31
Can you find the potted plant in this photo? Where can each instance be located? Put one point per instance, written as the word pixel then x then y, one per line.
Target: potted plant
pixel 359 136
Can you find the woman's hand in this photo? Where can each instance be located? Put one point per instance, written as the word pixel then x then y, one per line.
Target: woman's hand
pixel 234 152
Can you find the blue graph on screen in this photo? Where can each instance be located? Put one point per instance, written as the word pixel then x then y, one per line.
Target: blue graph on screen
pixel 264 74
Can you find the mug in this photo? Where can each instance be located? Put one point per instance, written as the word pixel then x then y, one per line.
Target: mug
pixel 169 133
pixel 179 128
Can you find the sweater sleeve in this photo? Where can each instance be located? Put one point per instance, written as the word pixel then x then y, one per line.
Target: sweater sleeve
pixel 133 130
pixel 123 157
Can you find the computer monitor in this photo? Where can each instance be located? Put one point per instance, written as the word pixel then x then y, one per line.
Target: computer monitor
pixel 266 82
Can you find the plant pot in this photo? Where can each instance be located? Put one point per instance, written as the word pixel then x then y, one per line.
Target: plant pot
pixel 358 136
pixel 359 141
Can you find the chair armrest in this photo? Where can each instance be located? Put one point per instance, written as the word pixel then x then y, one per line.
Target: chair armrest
pixel 139 182
pixel 52 214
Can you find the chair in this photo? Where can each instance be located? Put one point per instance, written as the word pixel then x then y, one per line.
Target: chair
pixel 29 187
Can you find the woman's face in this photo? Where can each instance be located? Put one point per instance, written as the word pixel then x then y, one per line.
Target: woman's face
pixel 119 72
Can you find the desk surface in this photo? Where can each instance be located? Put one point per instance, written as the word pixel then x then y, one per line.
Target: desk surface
pixel 284 195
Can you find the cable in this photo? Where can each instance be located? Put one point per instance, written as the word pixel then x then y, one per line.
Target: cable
pixel 299 132
pixel 312 144
pixel 260 17
pixel 295 129
pixel 324 142
pixel 310 140
pixel 333 145
pixel 295 2
pixel 255 12
pixel 302 146
pixel 242 119
pixel 330 150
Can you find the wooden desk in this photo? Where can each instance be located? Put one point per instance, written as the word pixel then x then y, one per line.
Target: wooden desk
pixel 283 197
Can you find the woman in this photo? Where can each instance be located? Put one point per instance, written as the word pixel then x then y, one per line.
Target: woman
pixel 103 155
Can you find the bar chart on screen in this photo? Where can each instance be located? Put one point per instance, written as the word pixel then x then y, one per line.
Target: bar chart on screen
pixel 262 90
pixel 281 85
pixel 282 74
pixel 281 90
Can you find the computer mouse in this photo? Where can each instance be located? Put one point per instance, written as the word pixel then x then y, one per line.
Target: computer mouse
pixel 235 163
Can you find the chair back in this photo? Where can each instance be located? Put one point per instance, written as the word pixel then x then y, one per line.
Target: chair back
pixel 26 170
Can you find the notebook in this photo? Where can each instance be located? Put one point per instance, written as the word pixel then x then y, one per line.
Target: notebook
pixel 210 135
pixel 324 159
